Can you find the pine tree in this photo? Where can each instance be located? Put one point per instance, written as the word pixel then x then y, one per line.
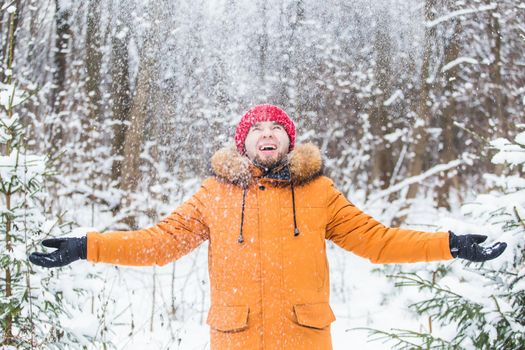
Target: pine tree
pixel 34 306
pixel 483 303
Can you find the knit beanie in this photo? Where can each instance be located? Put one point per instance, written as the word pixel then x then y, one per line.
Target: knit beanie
pixel 263 113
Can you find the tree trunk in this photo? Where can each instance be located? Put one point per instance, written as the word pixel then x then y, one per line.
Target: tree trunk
pixel 496 99
pixel 93 62
pixel 141 106
pixel 448 150
pixel 9 44
pixel 7 328
pixel 62 47
pixel 382 163
pixel 61 53
pixel 120 91
pixel 262 43
pixel 289 40
pixel 419 134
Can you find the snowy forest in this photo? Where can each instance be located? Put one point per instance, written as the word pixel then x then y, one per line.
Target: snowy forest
pixel 111 110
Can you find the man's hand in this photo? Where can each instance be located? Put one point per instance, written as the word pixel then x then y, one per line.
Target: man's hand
pixel 467 247
pixel 68 250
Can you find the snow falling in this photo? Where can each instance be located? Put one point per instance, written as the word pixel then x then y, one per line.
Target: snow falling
pixel 111 110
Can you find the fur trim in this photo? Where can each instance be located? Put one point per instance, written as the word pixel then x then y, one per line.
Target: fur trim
pixel 228 165
pixel 305 164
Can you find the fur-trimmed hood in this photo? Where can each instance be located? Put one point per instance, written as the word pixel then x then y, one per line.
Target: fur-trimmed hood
pixel 304 164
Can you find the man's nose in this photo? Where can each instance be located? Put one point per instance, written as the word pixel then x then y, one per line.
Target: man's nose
pixel 267 132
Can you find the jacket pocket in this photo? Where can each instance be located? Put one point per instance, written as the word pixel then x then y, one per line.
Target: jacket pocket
pixel 228 318
pixel 318 315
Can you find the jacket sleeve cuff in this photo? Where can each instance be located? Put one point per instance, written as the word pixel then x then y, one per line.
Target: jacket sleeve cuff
pixel 92 246
pixel 445 246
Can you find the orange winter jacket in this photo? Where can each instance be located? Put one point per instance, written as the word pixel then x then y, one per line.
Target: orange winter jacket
pixel 267 253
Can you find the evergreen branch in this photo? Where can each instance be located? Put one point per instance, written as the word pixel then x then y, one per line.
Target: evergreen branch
pixel 520 220
pixel 6 5
pixel 516 280
pixel 420 282
pixel 403 337
pixel 3 124
pixel 499 310
pixel 29 95
pixel 14 176
pixel 384 336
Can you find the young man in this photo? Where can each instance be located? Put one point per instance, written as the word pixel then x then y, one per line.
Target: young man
pixel 267 212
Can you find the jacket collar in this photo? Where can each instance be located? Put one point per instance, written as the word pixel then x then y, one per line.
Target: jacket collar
pixel 303 165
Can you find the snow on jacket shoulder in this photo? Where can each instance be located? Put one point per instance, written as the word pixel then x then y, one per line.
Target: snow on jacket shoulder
pixel 267 254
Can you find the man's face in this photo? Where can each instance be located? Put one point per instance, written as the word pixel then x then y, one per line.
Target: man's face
pixel 267 143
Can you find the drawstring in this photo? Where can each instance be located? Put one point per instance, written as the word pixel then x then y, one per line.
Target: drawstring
pixel 295 229
pixel 241 239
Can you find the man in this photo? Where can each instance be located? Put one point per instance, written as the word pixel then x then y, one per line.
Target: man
pixel 267 211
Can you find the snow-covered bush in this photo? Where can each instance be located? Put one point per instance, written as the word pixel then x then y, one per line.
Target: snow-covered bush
pixel 471 305
pixel 31 303
pixel 35 305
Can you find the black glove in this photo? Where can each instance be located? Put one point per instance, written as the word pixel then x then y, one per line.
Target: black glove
pixel 68 250
pixel 467 247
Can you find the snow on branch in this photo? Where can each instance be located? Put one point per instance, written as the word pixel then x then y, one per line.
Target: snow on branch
pixel 457 13
pixel 417 179
pixel 398 94
pixel 458 61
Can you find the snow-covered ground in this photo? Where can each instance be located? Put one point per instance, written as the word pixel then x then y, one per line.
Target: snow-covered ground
pixel 166 307
pixel 361 298
pixel 365 301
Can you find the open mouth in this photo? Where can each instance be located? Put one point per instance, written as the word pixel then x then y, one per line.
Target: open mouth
pixel 267 148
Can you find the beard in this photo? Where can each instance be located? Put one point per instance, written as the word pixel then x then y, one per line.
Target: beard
pixel 270 163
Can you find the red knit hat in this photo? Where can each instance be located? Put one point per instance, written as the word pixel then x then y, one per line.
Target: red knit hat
pixel 263 113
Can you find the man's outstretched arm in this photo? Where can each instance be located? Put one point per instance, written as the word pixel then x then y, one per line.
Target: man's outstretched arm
pixel 176 235
pixel 358 232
